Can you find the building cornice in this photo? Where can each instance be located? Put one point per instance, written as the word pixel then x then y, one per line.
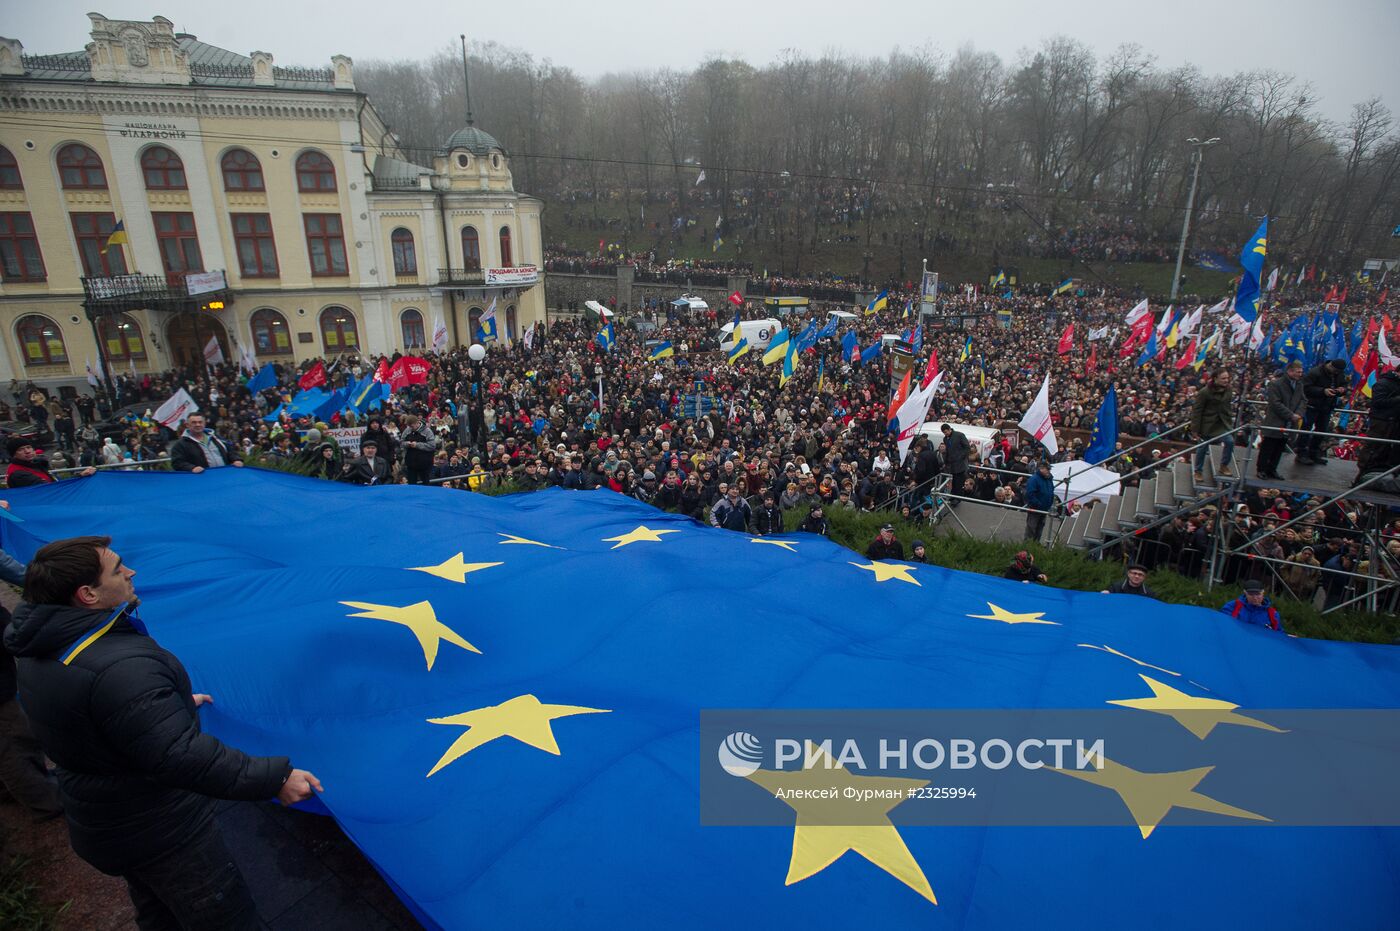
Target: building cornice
pixel 49 97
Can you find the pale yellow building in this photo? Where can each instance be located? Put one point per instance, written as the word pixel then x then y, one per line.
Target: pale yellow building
pixel 266 209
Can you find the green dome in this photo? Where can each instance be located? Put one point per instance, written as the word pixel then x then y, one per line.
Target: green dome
pixel 473 140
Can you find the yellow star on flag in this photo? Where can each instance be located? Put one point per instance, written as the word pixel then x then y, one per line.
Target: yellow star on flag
pixel 1197 715
pixel 524 717
pixel 827 828
pixel 455 569
pixel 512 538
pixel 1010 617
pixel 642 534
pixel 418 618
pixel 884 571
pixel 1149 796
pixel 785 544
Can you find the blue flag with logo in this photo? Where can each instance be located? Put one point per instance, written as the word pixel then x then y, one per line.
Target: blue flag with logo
pixel 1252 261
pixel 848 345
pixel 511 751
pixel 1104 440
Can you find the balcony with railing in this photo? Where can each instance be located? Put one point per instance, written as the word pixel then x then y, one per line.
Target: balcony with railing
pixel 171 291
pixel 461 277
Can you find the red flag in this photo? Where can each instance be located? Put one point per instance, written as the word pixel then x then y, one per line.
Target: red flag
pixel 1187 357
pixel 381 374
pixel 1380 298
pixel 1331 295
pixel 1343 298
pixel 314 377
pixel 1312 272
pixel 1386 324
pixel 409 370
pixel 931 372
pixel 736 299
pixel 901 395
pixel 1093 359
pixel 602 246
pixel 1141 331
pixel 1067 339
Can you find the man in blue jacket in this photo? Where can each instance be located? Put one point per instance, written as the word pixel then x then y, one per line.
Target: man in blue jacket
pixel 1254 607
pixel 1040 494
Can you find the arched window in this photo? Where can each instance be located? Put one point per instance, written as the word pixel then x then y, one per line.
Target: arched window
pixel 9 172
pixel 271 336
pixel 510 322
pixel 413 335
pixel 338 332
pixel 163 170
pixel 242 171
pixel 40 340
pixel 471 250
pixel 474 322
pixel 315 173
pixel 80 169
pixel 121 336
pixel 505 247
pixel 405 259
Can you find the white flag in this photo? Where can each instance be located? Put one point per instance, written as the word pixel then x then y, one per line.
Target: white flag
pixel 213 352
pixel 911 414
pixel 1273 278
pixel 1137 313
pixel 1383 349
pixel 175 410
pixel 1037 420
pixel 1100 333
pixel 1301 270
pixel 1165 323
pixel 1221 307
pixel 529 338
pixel 1239 330
pixel 439 333
pixel 700 177
pixel 91 375
pixel 1193 320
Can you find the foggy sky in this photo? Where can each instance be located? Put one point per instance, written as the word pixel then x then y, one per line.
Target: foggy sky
pixel 1346 48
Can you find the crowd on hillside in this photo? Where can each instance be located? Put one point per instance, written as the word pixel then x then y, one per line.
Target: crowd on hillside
pixel 679 432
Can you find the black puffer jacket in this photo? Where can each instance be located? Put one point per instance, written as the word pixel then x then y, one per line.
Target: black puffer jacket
pixel 138 777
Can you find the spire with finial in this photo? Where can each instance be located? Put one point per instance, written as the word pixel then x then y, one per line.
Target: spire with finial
pixel 466 79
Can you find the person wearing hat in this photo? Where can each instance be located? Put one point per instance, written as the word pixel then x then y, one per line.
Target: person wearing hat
pixel 885 546
pixel 1254 607
pixel 1024 569
pixel 1134 582
pixel 768 519
pixel 27 467
pixel 917 552
pixel 1323 386
pixel 368 468
pixel 815 521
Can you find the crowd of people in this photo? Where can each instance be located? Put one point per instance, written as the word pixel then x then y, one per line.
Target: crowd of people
pixel 684 431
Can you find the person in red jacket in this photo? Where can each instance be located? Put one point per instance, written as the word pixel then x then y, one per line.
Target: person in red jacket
pixel 27 467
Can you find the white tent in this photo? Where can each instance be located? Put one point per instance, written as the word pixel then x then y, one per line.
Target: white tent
pixel 1086 482
pixel 694 303
pixel 841 314
pixel 597 308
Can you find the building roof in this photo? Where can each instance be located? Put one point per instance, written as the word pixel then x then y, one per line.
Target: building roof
pixel 390 173
pixel 473 140
pixel 210 66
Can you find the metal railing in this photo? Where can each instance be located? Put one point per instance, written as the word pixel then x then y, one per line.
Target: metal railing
pixel 130 466
pixel 461 276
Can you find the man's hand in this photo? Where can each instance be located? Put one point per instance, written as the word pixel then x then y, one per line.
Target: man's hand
pixel 238 463
pixel 201 698
pixel 197 469
pixel 299 787
pixel 4 505
pixel 86 472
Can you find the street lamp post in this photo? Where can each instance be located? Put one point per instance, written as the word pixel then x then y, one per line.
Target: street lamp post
pixel 1196 149
pixel 476 352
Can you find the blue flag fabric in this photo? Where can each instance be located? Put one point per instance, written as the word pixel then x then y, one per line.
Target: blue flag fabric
pixel 848 345
pixel 332 405
pixel 872 352
pixel 1105 437
pixel 829 329
pixel 266 377
pixel 511 751
pixel 1252 261
pixel 1149 352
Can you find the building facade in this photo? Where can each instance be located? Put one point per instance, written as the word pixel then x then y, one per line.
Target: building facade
pixel 265 211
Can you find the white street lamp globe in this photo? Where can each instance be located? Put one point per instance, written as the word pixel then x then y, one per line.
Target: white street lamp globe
pixel 476 352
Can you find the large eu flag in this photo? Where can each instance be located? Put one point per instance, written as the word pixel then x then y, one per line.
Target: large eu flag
pixel 502 698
